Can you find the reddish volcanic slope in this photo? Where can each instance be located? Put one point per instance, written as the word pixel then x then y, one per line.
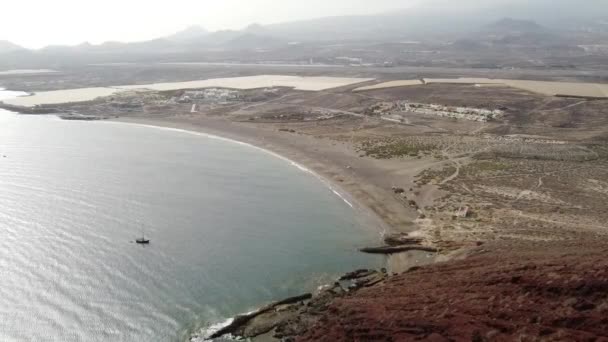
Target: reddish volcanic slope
pixel 536 292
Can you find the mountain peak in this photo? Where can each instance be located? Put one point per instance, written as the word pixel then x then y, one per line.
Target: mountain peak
pixel 255 27
pixel 6 46
pixel 189 33
pixel 511 24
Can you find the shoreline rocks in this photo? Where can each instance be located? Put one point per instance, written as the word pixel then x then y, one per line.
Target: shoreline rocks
pixel 397 249
pixel 532 291
pixel 240 322
pixel 398 243
pixel 402 239
pixel 29 110
pixel 81 117
pixel 292 316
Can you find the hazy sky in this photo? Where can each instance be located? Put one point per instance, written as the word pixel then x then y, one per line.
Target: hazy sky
pixel 36 23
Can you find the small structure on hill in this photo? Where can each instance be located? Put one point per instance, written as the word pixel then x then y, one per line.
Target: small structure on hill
pixel 462 212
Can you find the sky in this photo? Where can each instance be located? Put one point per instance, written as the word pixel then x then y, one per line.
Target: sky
pixel 38 23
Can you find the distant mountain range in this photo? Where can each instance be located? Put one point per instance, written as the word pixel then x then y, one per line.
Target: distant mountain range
pixel 6 47
pixel 464 21
pixel 513 26
pixel 189 33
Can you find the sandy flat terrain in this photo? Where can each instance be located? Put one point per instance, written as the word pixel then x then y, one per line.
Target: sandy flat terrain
pixel 560 88
pixel 244 83
pixel 391 84
pixel 540 87
pixel 61 96
pixel 463 80
pixel 26 71
pixel 254 82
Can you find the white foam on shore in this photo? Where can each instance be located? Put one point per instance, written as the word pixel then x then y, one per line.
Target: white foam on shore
pixel 344 199
pixel 205 333
pixel 302 168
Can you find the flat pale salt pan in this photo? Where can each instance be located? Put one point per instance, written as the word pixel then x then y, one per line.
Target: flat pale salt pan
pixel 244 83
pixel 463 80
pixel 560 88
pixel 391 84
pixel 254 82
pixel 604 88
pixel 26 71
pixel 61 96
pixel 540 87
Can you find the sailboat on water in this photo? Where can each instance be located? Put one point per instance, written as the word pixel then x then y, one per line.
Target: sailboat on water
pixel 142 240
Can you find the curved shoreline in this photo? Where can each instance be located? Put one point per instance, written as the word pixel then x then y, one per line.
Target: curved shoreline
pixel 211 312
pixel 202 333
pixel 348 198
pixel 325 181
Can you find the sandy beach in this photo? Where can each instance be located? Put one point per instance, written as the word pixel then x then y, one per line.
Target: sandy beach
pixel 363 179
pixel 365 183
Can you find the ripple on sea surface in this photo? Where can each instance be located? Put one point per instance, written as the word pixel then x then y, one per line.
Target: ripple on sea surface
pixel 232 227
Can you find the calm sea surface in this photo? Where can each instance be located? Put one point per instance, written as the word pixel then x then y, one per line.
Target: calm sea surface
pixel 232 227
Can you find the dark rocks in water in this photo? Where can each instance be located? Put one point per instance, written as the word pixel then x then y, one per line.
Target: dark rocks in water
pixel 293 316
pixel 397 249
pixel 357 274
pixel 239 324
pixel 363 278
pixel 43 110
pixel 81 117
pixel 397 243
pixel 402 239
pixel 38 110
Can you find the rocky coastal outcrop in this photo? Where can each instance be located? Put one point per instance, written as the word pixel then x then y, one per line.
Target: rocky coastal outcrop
pixel 540 291
pixel 543 291
pixel 292 317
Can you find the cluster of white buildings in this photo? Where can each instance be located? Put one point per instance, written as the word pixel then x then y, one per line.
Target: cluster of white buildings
pixel 215 95
pixel 465 113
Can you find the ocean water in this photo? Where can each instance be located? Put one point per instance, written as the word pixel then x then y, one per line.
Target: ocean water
pixel 231 227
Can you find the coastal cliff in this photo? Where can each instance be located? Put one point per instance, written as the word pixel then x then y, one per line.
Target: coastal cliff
pixel 545 292
pixel 542 291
